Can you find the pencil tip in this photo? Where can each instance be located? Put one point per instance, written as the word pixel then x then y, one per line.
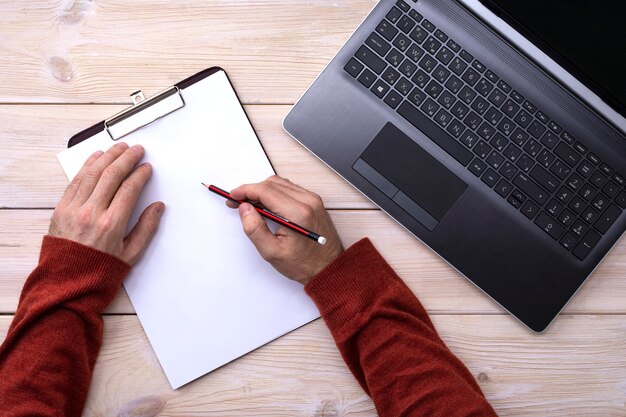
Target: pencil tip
pixel 203 184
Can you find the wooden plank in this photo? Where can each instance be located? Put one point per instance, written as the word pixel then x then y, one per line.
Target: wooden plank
pixel 441 289
pixel 101 51
pixel 576 368
pixel 32 135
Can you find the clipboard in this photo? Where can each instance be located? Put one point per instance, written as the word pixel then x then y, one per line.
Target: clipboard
pixel 202 293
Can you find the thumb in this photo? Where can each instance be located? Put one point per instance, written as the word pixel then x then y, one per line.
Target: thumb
pixel 256 229
pixel 142 233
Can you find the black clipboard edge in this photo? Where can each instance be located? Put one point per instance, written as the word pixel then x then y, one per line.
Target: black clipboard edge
pixel 99 127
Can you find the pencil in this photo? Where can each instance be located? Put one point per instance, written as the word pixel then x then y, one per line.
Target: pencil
pixel 270 215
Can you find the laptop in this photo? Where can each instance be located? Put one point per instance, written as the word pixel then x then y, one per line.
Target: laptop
pixel 493 130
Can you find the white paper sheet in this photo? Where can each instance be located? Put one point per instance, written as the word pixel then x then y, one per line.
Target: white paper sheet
pixel 202 292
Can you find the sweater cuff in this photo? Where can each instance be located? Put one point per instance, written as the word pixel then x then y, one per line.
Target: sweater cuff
pixel 69 270
pixel 350 284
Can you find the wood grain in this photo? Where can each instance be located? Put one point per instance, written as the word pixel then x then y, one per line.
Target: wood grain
pixel 576 369
pixel 101 51
pixel 441 289
pixel 31 136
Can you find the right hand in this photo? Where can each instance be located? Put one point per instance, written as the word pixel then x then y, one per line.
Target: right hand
pixel 295 256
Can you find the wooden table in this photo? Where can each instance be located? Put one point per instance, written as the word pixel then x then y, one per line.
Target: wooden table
pixel 67 64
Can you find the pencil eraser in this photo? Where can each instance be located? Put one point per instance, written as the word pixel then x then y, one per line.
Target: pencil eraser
pixel 321 240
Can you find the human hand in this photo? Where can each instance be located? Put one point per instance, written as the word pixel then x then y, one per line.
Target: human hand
pixel 97 205
pixel 292 254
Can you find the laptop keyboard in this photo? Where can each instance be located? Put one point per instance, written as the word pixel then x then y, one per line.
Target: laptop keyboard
pixel 477 118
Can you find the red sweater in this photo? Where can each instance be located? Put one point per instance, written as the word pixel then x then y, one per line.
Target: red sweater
pixel 381 330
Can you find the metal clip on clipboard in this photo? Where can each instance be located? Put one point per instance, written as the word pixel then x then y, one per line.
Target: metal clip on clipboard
pixel 143 112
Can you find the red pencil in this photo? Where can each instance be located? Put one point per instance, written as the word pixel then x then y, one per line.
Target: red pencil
pixel 270 215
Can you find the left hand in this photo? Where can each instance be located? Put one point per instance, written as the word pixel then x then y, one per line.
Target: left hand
pixel 97 205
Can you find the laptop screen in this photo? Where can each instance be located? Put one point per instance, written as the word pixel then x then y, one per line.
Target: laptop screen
pixel 587 38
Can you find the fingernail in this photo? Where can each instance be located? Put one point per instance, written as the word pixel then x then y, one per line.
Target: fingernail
pixel 122 145
pixel 245 208
pixel 137 147
pixel 97 154
pixel 160 208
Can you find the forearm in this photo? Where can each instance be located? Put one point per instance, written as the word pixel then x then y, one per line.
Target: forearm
pixel 51 347
pixel 389 342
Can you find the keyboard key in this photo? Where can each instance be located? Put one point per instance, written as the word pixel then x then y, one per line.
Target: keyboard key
pixel 428 63
pixel 568 241
pixel 390 75
pixel 415 15
pixel 446 99
pixel 567 138
pixel 477 167
pixel 579 227
pixel 414 52
pixel 606 169
pixel 404 86
pixel 428 26
pixel 564 194
pixel 418 34
pixel 407 68
pixel 580 148
pixel 483 86
pixel 432 45
pixel 508 170
pixel 441 74
pixel 441 36
pixel 514 202
pixel 473 120
pixel 530 209
pixel 433 89
pixel 469 139
pixel 533 148
pixel 405 24
pixel 369 58
pixel 611 189
pixel 523 118
pixel 378 44
pixel 545 158
pixel 353 67
pixel 504 86
pixel 619 180
pixel 401 4
pixel 529 187
pixel 394 14
pixel 600 201
pixel 594 159
pixel 567 218
pixel 497 97
pixel 401 42
pixel 467 94
pixel 486 131
pixel 459 110
pixel 512 152
pixel 542 117
pixel 453 45
pixel 510 108
pixel 503 188
pixel 470 76
pixel 585 246
pixel 445 55
pixel 421 79
pixel 525 163
pixel 554 127
pixel 577 204
pixel 517 97
pixel 479 66
pixel 443 118
pixel 455 128
pixel 435 133
pixel 587 192
pixel 380 89
pixel 499 142
pixel 394 57
pixel 536 129
pixel 430 107
pixel 454 84
pixel 567 154
pixel 530 107
pixel 393 99
pixel 517 194
pixel 554 207
pixel 585 168
pixel 490 178
pixel 457 66
pixel 387 30
pixel 466 56
pixel 549 139
pixel 607 219
pixel 519 137
pixel 491 76
pixel 598 179
pixel 550 226
pixel 575 181
pixel 493 116
pixel 560 169
pixel 544 178
pixel 482 149
pixel 480 105
pixel 367 78
pixel 417 96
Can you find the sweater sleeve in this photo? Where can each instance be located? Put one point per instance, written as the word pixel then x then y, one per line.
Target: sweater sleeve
pixel 388 341
pixel 50 350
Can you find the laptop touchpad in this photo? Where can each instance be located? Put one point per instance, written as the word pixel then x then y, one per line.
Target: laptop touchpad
pixel 410 176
